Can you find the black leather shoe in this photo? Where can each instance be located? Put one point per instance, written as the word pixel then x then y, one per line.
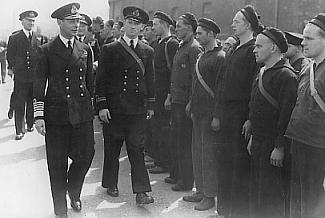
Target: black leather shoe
pixel 113 192
pixel 195 197
pixel 76 205
pixel 143 198
pixel 30 129
pixel 170 180
pixel 19 136
pixel 157 170
pixel 10 113
pixel 179 187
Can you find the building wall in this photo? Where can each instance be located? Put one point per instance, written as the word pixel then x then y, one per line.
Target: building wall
pixel 288 15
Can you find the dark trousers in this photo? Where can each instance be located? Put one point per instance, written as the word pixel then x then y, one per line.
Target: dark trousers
pixel 307 191
pixel 268 192
pixel 233 163
pixel 77 144
pixel 23 105
pixel 204 150
pixel 3 69
pixel 181 136
pixel 161 133
pixel 131 129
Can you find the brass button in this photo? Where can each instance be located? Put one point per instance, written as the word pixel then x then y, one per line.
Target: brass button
pixel 80 86
pixel 124 83
pixel 68 96
pixel 27 57
pixel 67 79
pixel 80 77
pixel 124 90
pixel 137 77
pixel 81 94
pixel 67 71
pixel 136 90
pixel 125 76
pixel 137 84
pixel 67 87
pixel 80 69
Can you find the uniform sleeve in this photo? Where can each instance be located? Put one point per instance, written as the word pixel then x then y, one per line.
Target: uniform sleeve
pixel 90 73
pixel 39 85
pixel 287 101
pixel 220 71
pixel 149 80
pixel 96 49
pixel 172 47
pixel 103 78
pixel 11 52
pixel 193 54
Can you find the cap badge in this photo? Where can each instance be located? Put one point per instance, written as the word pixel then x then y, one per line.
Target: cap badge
pixel 31 14
pixel 74 9
pixel 136 13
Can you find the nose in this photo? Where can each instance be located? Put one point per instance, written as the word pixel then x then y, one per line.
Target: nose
pixel 303 43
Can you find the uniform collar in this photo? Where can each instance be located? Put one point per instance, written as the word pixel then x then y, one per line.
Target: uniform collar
pixel 27 32
pixel 65 40
pixel 82 38
pixel 128 40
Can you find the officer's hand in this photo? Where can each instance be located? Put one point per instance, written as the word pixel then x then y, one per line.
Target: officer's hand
pixel 249 145
pixel 247 129
pixel 188 109
pixel 10 72
pixel 150 114
pixel 40 126
pixel 168 103
pixel 104 115
pixel 215 124
pixel 277 157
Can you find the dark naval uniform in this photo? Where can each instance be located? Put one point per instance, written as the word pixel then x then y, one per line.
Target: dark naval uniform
pixel 65 71
pixel 162 153
pixel 125 91
pixel 68 115
pixel 268 182
pixel 22 58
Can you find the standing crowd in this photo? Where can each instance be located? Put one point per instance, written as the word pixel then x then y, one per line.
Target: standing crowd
pixel 242 122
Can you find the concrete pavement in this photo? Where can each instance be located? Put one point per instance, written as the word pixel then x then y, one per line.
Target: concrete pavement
pixel 25 190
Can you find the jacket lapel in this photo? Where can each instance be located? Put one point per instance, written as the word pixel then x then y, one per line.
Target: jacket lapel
pixel 76 53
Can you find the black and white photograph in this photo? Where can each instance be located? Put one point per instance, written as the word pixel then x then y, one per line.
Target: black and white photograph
pixel 162 109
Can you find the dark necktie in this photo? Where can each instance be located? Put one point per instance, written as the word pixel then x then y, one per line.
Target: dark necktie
pixel 132 44
pixel 69 46
pixel 30 38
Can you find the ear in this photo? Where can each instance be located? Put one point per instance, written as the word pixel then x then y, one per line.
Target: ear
pixel 59 22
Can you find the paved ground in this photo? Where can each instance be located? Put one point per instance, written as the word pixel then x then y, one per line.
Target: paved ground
pixel 25 190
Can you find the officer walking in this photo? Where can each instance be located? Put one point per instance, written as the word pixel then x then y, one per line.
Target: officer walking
pixel 125 90
pixel 85 36
pixel 64 113
pixel 22 59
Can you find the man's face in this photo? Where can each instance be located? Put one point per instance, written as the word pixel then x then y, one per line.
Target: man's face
pixel 182 29
pixel 157 26
pixel 69 27
pixel 28 24
pixel 239 25
pixel 132 28
pixel 263 48
pixel 96 27
pixel 116 31
pixel 292 51
pixel 312 43
pixel 82 30
pixel 148 33
pixel 202 36
pixel 105 31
